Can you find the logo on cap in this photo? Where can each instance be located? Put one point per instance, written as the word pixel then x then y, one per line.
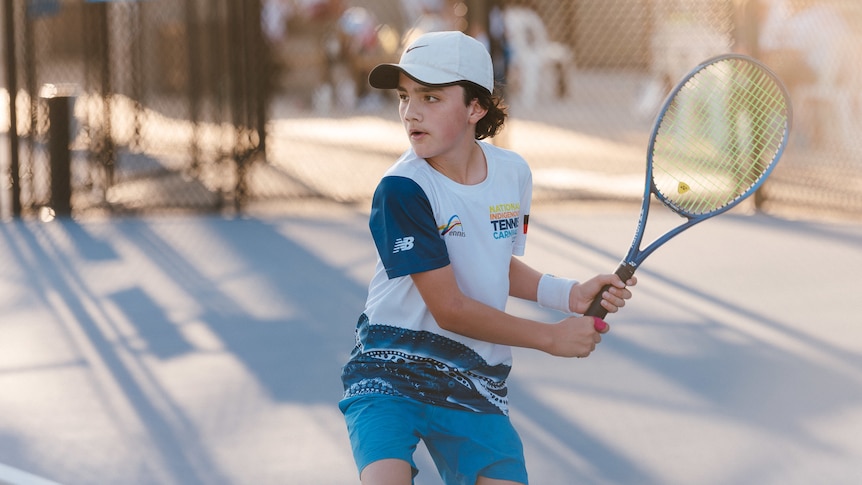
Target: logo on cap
pixel 415 47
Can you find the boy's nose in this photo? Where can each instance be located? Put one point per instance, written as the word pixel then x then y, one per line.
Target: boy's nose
pixel 411 111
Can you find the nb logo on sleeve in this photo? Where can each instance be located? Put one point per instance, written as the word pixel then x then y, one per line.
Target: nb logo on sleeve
pixel 403 244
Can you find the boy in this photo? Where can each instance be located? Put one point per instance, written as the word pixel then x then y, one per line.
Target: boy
pixel 433 344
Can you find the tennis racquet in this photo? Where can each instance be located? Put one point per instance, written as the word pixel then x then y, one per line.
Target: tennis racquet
pixel 716 139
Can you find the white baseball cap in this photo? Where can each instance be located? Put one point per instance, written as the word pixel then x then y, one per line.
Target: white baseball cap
pixel 439 58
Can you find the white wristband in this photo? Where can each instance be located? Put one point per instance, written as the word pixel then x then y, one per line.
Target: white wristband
pixel 553 293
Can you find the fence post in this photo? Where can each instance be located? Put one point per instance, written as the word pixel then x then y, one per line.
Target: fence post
pixel 60 99
pixel 12 84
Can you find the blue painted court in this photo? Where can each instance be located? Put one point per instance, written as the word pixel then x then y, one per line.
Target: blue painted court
pixel 206 350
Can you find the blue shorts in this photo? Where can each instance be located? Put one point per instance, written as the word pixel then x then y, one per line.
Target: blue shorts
pixel 464 445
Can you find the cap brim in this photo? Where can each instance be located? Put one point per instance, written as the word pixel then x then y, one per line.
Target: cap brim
pixel 384 76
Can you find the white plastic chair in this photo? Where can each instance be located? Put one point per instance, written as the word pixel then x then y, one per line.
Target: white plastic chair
pixel 538 64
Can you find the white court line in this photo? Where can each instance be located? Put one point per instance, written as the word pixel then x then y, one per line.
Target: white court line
pixel 14 476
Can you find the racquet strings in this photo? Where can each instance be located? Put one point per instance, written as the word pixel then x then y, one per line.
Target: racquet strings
pixel 721 133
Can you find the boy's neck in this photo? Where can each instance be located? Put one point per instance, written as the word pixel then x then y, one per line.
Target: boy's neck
pixel 472 171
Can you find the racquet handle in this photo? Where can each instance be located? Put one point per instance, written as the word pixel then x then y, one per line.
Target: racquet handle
pixel 624 271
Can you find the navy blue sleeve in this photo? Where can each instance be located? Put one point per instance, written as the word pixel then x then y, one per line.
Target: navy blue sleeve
pixel 404 229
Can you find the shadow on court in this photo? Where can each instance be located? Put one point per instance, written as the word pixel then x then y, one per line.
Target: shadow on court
pixel 134 304
pixel 207 350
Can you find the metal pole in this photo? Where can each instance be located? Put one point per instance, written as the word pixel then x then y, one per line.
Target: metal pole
pixel 12 83
pixel 195 85
pixel 59 137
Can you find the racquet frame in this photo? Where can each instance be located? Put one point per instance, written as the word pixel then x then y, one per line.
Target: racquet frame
pixel 636 255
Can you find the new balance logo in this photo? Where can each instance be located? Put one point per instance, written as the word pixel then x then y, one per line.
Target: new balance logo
pixel 403 244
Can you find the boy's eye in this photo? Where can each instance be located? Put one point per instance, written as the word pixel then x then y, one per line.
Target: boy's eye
pixel 402 96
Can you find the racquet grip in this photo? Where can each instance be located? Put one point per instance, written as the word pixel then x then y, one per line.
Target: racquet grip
pixel 624 271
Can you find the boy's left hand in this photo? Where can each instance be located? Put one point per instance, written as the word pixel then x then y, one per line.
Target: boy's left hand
pixel 613 299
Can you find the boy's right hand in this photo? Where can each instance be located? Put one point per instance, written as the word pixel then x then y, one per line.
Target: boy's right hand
pixel 577 336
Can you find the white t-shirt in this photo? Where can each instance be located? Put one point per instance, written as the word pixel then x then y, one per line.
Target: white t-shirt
pixel 422 220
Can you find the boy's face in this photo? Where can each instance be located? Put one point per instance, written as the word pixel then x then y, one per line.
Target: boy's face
pixel 435 118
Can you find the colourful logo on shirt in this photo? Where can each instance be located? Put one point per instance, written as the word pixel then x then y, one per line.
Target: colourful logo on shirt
pixel 452 228
pixel 505 220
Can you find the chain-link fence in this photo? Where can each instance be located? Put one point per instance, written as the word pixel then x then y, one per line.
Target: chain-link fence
pixel 169 100
pixel 219 103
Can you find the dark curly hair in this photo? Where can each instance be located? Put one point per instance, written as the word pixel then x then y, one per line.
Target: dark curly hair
pixel 492 122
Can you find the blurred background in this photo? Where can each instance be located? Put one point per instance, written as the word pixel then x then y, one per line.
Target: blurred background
pixel 118 107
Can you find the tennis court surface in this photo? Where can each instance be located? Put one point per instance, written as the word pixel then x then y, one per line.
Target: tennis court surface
pixel 207 350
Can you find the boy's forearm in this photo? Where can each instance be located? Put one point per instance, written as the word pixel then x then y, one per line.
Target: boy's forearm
pixel 476 320
pixel 456 312
pixel 523 280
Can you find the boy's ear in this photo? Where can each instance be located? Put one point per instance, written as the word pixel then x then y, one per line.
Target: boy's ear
pixel 477 111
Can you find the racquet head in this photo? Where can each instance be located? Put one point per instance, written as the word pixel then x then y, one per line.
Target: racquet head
pixel 718 136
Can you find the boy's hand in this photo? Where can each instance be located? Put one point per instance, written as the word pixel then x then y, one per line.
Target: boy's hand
pixel 577 336
pixel 612 300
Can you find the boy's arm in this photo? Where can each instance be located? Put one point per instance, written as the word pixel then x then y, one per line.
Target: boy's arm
pixel 456 312
pixel 524 284
pixel 523 280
